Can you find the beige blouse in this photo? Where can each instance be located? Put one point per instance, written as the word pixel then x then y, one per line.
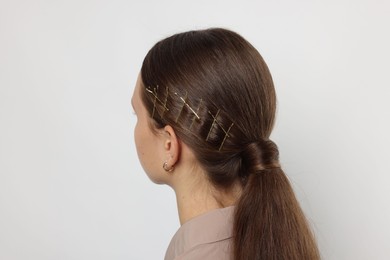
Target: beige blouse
pixel 205 237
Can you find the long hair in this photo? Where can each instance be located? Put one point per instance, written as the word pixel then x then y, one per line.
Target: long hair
pixel 215 90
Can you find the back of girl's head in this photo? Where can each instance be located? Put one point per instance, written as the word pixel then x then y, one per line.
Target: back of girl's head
pixel 215 90
pixel 223 81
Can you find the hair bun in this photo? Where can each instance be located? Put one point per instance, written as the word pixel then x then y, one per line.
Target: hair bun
pixel 261 155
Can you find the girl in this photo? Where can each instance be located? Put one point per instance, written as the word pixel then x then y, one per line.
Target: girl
pixel 205 105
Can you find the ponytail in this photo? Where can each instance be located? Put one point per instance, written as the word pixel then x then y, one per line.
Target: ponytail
pixel 269 223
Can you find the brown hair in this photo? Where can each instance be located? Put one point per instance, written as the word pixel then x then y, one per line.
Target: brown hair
pixel 215 90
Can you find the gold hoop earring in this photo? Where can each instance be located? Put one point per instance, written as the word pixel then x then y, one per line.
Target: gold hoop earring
pixel 165 167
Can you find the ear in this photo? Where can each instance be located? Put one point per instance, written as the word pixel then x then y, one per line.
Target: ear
pixel 171 146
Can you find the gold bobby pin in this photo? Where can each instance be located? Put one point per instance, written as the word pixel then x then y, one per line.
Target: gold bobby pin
pixel 212 125
pixel 165 102
pixel 186 104
pixel 154 93
pixel 181 109
pixel 226 135
pixel 196 114
pixel 215 121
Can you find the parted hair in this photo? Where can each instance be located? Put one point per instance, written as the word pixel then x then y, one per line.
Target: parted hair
pixel 215 90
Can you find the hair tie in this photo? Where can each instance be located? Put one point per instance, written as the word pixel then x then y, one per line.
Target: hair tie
pixel 261 155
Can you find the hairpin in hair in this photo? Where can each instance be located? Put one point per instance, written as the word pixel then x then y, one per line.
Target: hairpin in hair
pixel 184 103
pixel 187 105
pixel 226 135
pixel 165 102
pixel 195 113
pixel 154 93
pixel 215 121
pixel 212 125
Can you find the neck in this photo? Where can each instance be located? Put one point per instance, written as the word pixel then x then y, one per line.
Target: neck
pixel 198 197
pixel 193 204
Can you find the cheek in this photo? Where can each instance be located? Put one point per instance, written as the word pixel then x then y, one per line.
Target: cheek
pixel 143 143
pixel 138 141
pixel 146 145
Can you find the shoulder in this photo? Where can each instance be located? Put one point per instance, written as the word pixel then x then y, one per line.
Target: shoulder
pixel 208 236
pixel 216 250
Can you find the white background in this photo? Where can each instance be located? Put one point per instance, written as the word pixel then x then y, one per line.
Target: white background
pixel 71 186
